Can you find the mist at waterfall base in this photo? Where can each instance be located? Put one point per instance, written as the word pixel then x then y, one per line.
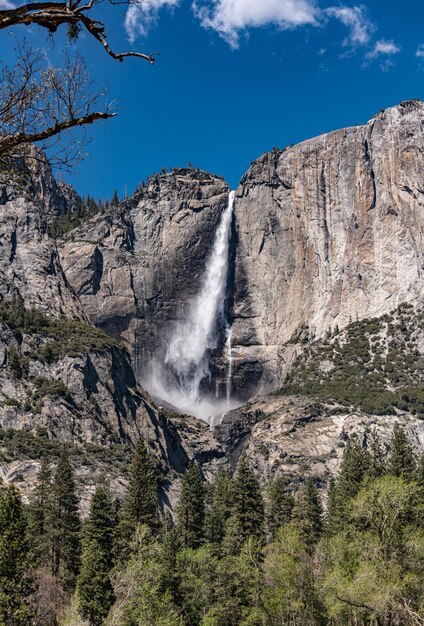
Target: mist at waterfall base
pixel 176 377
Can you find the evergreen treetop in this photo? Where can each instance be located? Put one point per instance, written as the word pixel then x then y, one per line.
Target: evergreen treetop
pixel 65 524
pixel 141 505
pixel 191 508
pixel 401 460
pixel 15 582
pixel 248 504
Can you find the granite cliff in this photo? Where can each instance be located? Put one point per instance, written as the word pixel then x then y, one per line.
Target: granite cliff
pixel 324 235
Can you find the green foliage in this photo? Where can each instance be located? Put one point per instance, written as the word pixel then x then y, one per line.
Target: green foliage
pixel 48 387
pixel 191 508
pixel 366 569
pixel 94 586
pixel 219 509
pixel 88 207
pixel 377 456
pixel 15 582
pixel 373 567
pixel 197 574
pixel 307 513
pixel 248 504
pixel 21 444
pixel 141 505
pixel 67 337
pixel 280 506
pixel 64 524
pixel 384 352
pixel 401 457
pixel 141 599
pixel 237 588
pixel 354 466
pixel 15 362
pixel 39 514
pixel 289 595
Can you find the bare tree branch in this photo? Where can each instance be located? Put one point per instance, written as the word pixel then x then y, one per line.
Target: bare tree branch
pixel 51 15
pixel 41 104
pixel 9 142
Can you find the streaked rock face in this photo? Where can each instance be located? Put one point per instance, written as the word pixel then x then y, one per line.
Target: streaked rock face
pixel 328 231
pixel 29 260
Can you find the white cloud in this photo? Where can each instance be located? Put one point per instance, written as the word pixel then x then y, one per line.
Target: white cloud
pixel 5 4
pixel 383 47
pixel 420 51
pixel 140 16
pixel 355 18
pixel 230 18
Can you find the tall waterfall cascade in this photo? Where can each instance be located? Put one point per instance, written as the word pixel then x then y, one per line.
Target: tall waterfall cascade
pixel 177 378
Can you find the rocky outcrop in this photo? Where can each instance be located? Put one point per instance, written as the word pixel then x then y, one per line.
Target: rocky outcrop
pixel 29 260
pixel 328 231
pixel 297 437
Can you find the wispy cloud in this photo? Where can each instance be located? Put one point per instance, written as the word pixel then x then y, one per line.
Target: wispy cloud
pixel 383 48
pixel 231 18
pixel 356 20
pixel 140 16
pixel 5 4
pixel 420 51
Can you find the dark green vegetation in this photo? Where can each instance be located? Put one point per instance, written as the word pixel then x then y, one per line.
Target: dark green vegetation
pixel 82 209
pixel 65 336
pixel 31 337
pixel 374 365
pixel 237 555
pixel 16 445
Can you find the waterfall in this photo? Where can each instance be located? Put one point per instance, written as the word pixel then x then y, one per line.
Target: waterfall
pixel 186 364
pixel 229 363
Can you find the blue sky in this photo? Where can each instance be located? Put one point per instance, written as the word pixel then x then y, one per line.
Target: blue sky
pixel 235 78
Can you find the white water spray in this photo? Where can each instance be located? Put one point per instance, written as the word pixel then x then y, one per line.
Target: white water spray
pixel 193 339
pixel 229 363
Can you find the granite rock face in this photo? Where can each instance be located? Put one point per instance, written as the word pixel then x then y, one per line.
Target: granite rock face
pixel 29 260
pixel 328 231
pixel 325 232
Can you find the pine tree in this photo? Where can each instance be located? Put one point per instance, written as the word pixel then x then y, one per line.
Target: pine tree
pixel 354 466
pixel 141 505
pixel 94 585
pixel 39 513
pixel 220 508
pixel 248 504
pixel 378 456
pixel 307 513
pixel 191 508
pixel 401 458
pixel 115 199
pixel 280 505
pixel 15 583
pixel 65 525
pixel 170 546
pixel 233 537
